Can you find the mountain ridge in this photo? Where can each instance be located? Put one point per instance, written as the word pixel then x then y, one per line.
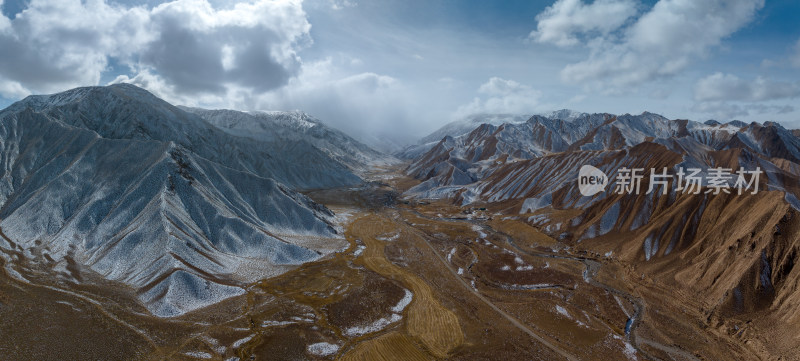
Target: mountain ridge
pixel 124 111
pixel 139 208
pixel 688 241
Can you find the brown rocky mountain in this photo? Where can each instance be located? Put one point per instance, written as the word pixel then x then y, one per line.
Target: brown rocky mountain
pixel 735 254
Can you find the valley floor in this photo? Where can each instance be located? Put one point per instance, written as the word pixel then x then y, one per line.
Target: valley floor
pixel 419 281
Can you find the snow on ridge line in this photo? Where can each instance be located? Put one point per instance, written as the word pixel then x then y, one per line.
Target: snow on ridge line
pixel 128 112
pixel 148 211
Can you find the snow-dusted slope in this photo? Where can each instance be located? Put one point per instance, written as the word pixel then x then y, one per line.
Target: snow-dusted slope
pixel 770 139
pixel 107 188
pixel 295 126
pixel 564 114
pixel 124 111
pixel 458 166
pixel 464 126
pixel 456 129
pixel 467 158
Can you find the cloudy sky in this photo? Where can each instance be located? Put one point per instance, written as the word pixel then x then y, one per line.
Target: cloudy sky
pixel 404 67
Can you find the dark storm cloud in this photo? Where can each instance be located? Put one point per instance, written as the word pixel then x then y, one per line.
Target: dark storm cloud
pixel 187 46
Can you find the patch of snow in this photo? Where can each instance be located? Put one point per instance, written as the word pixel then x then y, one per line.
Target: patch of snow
pixel 276 323
pixel 322 349
pixel 478 229
pixel 359 250
pixel 451 254
pixel 198 354
pixel 629 351
pixel 242 341
pixel 403 303
pixel 389 238
pixel 374 327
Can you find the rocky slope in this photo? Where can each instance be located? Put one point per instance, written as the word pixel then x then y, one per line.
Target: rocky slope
pixel 296 126
pixel 123 111
pixel 458 128
pixel 131 188
pixel 736 252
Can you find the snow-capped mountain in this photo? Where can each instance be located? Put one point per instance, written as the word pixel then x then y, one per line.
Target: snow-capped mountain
pixel 564 114
pixel 141 192
pixel 467 158
pixel 124 111
pixel 464 126
pixel 458 128
pixel 276 126
pixel 463 165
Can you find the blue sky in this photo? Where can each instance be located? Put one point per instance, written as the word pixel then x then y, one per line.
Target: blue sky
pixel 403 68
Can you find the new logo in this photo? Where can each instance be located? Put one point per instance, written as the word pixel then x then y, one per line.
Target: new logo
pixel 591 180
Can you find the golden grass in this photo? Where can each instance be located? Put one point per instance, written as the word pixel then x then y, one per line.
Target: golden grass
pixel 522 231
pixel 391 346
pixel 426 319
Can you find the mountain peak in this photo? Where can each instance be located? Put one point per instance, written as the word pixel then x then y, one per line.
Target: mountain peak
pixel 129 183
pixel 738 123
pixel 564 114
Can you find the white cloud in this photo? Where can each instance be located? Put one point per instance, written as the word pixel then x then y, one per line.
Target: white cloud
pixel 725 110
pixel 565 20
pixel 257 41
pixel 362 105
pixel 341 4
pixel 502 96
pixel 660 43
pixel 187 45
pixel 722 111
pixel 728 87
pixel 5 22
pixel 57 44
pixel 727 96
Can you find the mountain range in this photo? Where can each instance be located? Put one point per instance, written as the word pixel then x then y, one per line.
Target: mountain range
pixel 735 252
pixel 183 206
